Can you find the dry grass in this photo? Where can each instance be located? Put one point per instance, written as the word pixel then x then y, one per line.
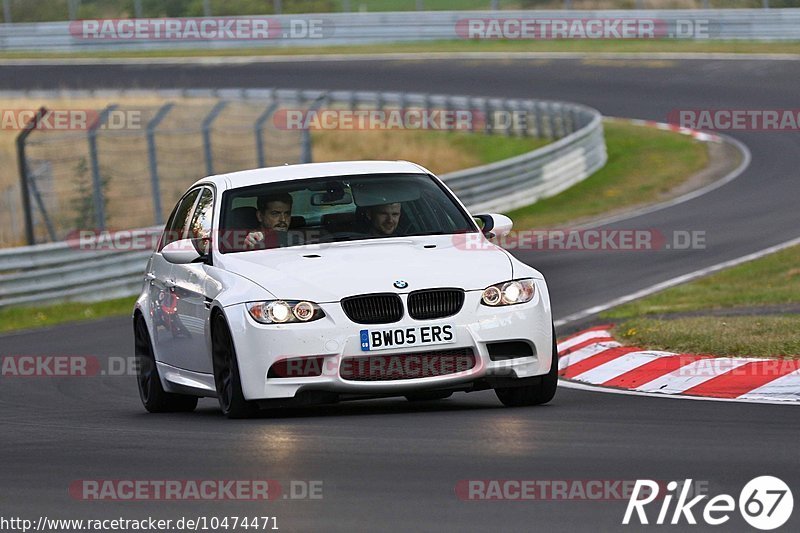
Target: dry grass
pixel 746 288
pixel 437 154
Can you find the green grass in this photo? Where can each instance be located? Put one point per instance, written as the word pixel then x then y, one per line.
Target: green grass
pixel 492 148
pixel 30 317
pixel 771 280
pixel 774 279
pixel 746 336
pixel 643 164
pixel 580 46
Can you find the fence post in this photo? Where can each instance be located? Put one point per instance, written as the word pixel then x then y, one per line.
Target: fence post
pixel 448 112
pixel 259 126
pixel 22 163
pixel 137 9
pixel 403 106
pixel 277 6
pixel 152 156
pixel 427 105
pixel 72 8
pixel 51 232
pixel 7 11
pixel 495 5
pixel 206 8
pixel 97 180
pixel 542 115
pixel 215 111
pixel 488 113
pixel 305 140
pixel 508 109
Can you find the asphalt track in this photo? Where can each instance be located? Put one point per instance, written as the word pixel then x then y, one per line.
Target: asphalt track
pixel 392 465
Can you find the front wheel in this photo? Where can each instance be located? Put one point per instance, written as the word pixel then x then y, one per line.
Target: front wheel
pixel 226 372
pixel 540 390
pixel 154 398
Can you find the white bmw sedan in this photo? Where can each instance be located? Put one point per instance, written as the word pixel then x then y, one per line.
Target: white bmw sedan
pixel 332 281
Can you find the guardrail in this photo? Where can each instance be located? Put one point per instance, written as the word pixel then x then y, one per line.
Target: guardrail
pixel 327 29
pixel 63 270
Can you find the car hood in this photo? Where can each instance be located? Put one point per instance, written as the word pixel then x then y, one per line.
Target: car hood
pixel 330 272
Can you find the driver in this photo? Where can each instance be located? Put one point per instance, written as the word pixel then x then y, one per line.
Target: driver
pixel 274 213
pixel 383 219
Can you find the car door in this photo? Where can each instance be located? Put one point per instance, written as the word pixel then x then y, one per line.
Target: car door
pixel 168 331
pixel 191 286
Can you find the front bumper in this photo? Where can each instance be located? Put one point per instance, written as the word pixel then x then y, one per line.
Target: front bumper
pixel 259 346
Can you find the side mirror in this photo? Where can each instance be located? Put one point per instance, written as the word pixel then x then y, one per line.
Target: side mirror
pixel 495 225
pixel 181 252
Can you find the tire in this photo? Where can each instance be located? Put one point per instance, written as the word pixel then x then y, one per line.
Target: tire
pixel 426 396
pixel 541 389
pixel 154 398
pixel 226 372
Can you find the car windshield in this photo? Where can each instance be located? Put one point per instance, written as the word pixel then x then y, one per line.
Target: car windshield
pixel 336 209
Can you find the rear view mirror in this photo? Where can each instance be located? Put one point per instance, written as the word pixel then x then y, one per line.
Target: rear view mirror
pixel 335 197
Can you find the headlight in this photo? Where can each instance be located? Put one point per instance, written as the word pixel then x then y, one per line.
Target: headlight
pixel 284 311
pixel 509 293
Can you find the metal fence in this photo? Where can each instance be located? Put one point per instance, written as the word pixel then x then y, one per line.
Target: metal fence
pixel 326 29
pixel 62 270
pixel 129 163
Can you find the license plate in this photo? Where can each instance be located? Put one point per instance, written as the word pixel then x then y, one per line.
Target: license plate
pixel 386 339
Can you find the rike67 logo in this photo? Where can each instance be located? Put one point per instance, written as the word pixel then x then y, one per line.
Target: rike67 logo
pixel 765 503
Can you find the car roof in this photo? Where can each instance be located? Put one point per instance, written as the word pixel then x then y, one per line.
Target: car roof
pixel 257 176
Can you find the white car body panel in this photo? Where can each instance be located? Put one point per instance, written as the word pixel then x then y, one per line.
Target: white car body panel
pixel 362 267
pixel 342 269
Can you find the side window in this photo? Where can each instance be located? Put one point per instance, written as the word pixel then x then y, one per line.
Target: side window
pixel 200 228
pixel 179 221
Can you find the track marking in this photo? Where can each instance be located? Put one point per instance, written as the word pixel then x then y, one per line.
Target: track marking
pixel 743 399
